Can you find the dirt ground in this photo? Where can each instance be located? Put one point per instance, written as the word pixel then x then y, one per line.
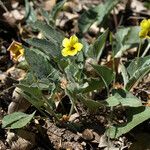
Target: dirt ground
pixel 88 132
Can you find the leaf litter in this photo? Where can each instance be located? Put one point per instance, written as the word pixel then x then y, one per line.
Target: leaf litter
pixel 86 132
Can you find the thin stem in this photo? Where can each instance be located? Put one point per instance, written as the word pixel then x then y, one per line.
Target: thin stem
pixel 48 107
pixel 138 54
pixel 72 107
pixel 114 81
pixel 107 88
pixel 139 49
pixel 13 86
pixel 72 101
pixel 110 124
pixel 113 59
pixel 146 50
pixel 3 6
pixel 115 19
pixel 137 81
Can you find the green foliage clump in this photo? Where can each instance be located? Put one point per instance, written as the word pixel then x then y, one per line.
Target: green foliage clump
pixel 79 77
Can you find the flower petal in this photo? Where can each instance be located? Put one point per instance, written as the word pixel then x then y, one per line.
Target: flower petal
pixel 66 42
pixel 145 24
pixel 143 33
pixel 21 51
pixel 64 52
pixel 73 40
pixel 78 46
pixel 72 52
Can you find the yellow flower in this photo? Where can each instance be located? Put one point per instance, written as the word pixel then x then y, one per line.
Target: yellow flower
pixel 71 46
pixel 16 50
pixel 145 29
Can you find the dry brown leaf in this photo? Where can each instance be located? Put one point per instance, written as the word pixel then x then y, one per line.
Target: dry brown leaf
pixel 49 4
pixel 137 6
pixel 113 63
pixel 117 85
pixel 23 140
pixel 16 73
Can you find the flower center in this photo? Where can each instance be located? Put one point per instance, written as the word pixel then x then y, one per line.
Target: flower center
pixel 17 53
pixel 72 48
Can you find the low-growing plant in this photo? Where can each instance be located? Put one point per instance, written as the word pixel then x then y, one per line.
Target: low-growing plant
pixel 61 67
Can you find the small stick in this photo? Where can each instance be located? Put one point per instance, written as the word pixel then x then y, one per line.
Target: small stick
pixel 3 6
pixel 115 19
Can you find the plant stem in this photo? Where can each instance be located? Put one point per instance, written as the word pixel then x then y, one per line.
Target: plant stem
pixel 107 88
pixel 139 49
pixel 72 107
pixel 3 6
pixel 138 54
pixel 48 108
pixel 110 124
pixel 146 50
pixel 1 93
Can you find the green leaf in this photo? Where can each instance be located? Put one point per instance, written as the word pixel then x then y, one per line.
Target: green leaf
pixel 135 116
pixel 137 76
pixel 28 80
pixel 105 73
pixel 120 37
pixel 43 84
pixel 8 119
pixel 91 104
pixel 77 88
pixel 94 14
pixel 124 98
pixel 125 38
pixel 46 16
pixel 47 47
pixel 32 94
pixel 63 63
pixel 23 65
pixel 94 84
pixel 16 120
pixel 147 4
pixel 38 62
pixel 30 15
pixel 137 69
pixel 87 19
pixel 124 74
pixel 85 48
pixel 22 122
pixel 133 36
pixel 80 57
pixel 49 32
pixel 57 8
pixel 138 63
pixel 96 49
pixel 35 91
pixel 73 71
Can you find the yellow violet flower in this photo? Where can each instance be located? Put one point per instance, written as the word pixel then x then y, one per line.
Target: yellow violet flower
pixel 71 46
pixel 16 50
pixel 145 29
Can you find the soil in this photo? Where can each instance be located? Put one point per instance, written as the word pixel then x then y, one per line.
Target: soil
pixel 87 131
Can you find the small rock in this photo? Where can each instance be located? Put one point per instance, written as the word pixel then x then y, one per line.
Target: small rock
pixel 23 140
pixel 19 103
pixel 2 146
pixel 87 134
pixel 103 142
